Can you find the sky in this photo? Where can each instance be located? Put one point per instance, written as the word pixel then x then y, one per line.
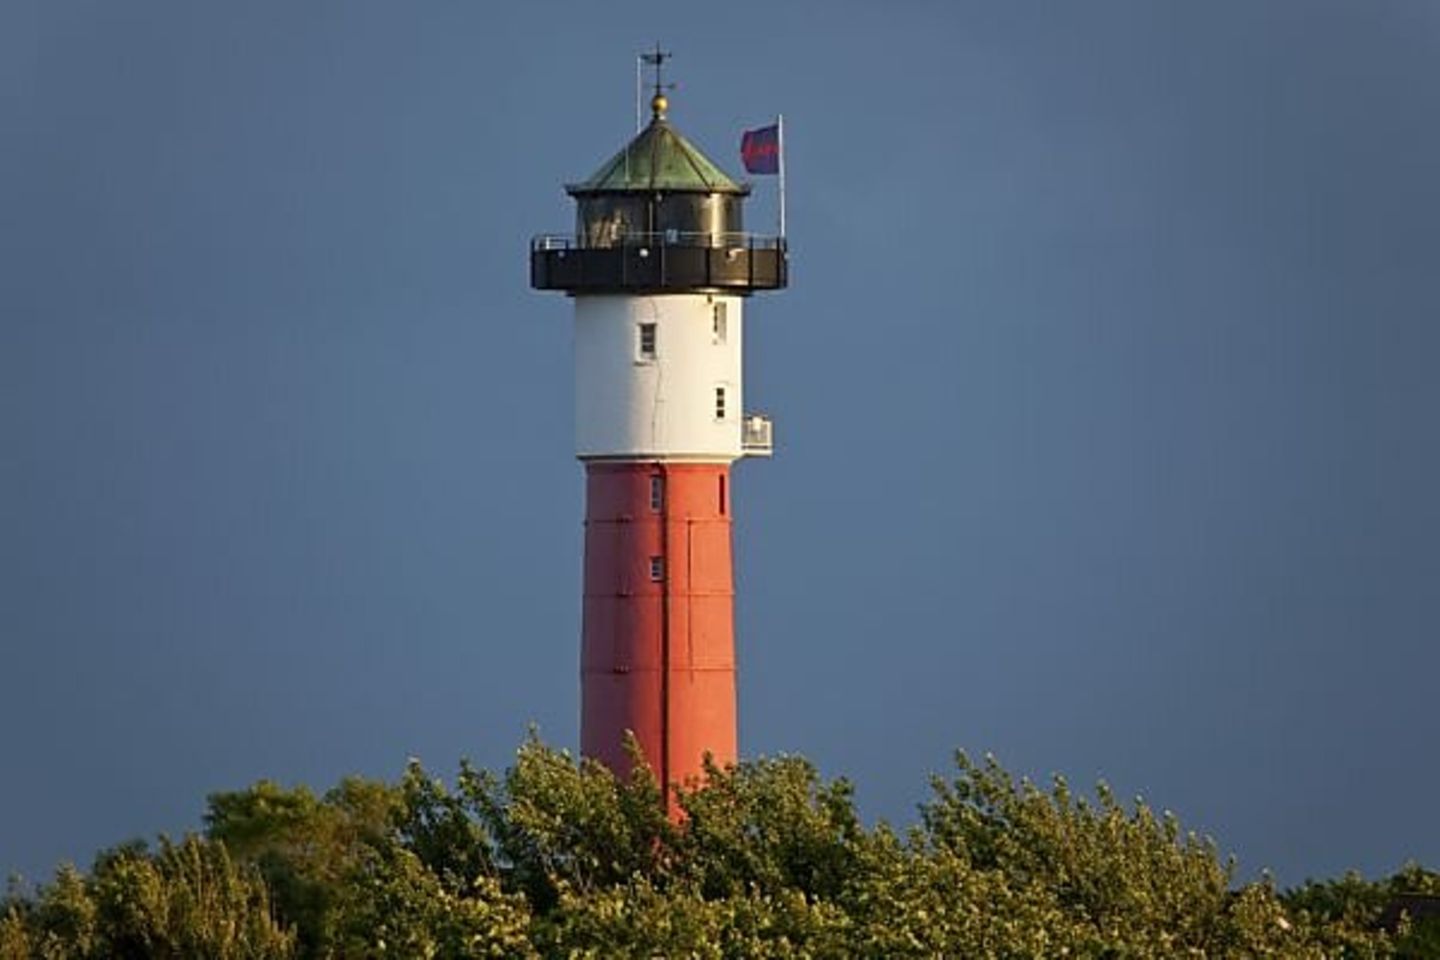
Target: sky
pixel 1104 395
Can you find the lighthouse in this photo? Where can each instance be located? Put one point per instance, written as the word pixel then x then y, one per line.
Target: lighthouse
pixel 659 269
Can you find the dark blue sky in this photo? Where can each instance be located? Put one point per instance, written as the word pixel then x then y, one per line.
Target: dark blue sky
pixel 1105 397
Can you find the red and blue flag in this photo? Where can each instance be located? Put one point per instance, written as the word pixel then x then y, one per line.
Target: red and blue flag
pixel 760 149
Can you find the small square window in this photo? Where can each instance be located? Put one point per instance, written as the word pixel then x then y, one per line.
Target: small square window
pixel 647 341
pixel 719 403
pixel 657 493
pixel 718 323
pixel 657 569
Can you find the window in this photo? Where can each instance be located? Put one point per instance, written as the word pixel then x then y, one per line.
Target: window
pixel 718 323
pixel 647 341
pixel 719 403
pixel 722 494
pixel 657 492
pixel 657 569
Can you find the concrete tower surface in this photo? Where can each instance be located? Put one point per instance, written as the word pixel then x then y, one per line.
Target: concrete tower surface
pixel 659 268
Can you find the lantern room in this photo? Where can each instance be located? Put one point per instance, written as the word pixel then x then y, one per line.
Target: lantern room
pixel 658 216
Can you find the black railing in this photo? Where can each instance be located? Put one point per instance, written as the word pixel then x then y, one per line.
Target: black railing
pixel 737 262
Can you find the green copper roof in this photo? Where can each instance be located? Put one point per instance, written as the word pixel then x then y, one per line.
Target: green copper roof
pixel 659 159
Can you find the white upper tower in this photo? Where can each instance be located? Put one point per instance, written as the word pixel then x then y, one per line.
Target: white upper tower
pixel 659 267
pixel 659 377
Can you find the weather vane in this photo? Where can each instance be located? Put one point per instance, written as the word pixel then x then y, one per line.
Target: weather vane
pixel 656 59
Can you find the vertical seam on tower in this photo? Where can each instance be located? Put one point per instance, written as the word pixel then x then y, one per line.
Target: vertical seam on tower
pixel 689 595
pixel 668 574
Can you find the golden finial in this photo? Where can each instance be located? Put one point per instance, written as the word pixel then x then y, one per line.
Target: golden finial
pixel 658 103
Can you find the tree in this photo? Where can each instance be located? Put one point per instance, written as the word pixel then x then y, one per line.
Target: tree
pixel 556 857
pixel 1134 884
pixel 396 906
pixel 308 849
pixel 189 899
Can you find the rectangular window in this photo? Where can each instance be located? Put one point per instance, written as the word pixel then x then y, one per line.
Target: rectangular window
pixel 722 494
pixel 657 569
pixel 647 341
pixel 718 323
pixel 719 403
pixel 657 493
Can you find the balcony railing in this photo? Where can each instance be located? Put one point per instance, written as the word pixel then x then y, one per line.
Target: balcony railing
pixel 659 238
pixel 739 262
pixel 757 435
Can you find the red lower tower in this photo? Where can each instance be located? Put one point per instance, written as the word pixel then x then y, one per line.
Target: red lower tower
pixel 659 270
pixel 658 650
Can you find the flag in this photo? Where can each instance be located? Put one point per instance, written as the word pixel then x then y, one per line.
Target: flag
pixel 760 149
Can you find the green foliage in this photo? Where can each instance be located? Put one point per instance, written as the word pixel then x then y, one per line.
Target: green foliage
pixel 308 849
pixel 14 937
pixel 1131 881
pixel 65 921
pixel 186 900
pixel 558 858
pixel 565 828
pixel 640 920
pixel 395 906
pixel 1343 914
pixel 437 827
pixel 770 826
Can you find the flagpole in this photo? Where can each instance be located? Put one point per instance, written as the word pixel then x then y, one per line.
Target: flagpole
pixel 780 138
pixel 639 57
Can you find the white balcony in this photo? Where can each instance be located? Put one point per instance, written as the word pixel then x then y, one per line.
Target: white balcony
pixel 757 437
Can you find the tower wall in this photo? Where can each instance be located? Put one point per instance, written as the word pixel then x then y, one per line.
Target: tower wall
pixel 658 403
pixel 658 649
